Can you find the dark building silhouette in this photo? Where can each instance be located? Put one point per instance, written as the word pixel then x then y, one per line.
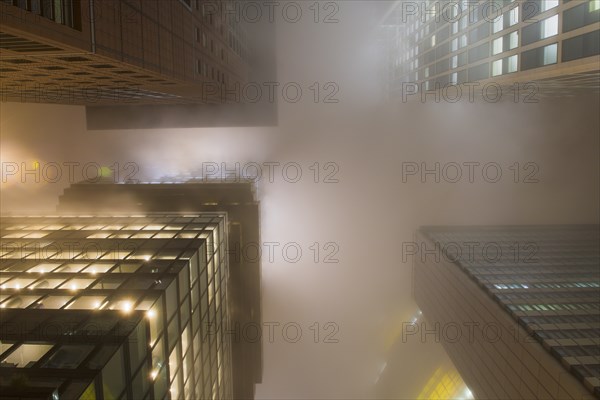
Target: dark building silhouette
pixel 238 200
pixel 140 64
pixel 119 51
pixel 517 308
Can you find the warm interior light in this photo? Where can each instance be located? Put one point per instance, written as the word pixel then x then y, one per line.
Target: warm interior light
pixel 151 313
pixel 127 306
pixel 154 374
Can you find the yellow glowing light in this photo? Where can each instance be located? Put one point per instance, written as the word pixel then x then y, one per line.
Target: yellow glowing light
pixel 153 374
pixel 96 304
pixel 73 286
pixel 17 286
pixel 151 313
pixel 105 172
pixel 127 306
pixel 36 164
pixel 147 258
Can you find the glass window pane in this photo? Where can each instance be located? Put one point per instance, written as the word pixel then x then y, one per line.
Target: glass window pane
pixel 26 355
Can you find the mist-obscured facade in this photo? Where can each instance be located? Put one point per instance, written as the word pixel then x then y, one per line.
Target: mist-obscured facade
pixel 436 44
pixel 517 308
pixel 115 307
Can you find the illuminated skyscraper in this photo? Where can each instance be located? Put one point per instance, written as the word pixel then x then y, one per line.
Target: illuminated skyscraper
pixel 114 307
pixel 435 44
pixel 517 308
pixel 237 199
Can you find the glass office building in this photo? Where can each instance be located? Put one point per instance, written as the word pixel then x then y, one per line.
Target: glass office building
pixel 237 199
pixel 518 307
pixel 439 43
pixel 114 307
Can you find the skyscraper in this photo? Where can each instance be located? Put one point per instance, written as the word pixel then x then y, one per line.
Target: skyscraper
pixel 436 44
pixel 114 307
pixel 517 308
pixel 237 199
pixel 120 52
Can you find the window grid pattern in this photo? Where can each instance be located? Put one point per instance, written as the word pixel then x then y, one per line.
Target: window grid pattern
pixel 454 42
pixel 546 278
pixel 175 276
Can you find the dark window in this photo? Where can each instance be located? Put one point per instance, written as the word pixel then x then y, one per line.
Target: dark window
pixel 586 45
pixel 579 16
pixel 479 72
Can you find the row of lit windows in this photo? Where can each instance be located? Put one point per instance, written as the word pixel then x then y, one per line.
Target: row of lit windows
pixel 554 307
pixel 524 296
pixel 561 319
pixel 145 226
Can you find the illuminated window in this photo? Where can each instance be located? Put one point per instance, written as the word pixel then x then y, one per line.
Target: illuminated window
pixel 87 303
pixel 112 227
pixel 76 284
pixel 513 62
pixel 498 24
pixel 142 236
pixel 17 283
pixel 53 227
pixel 186 235
pixel 92 227
pixel 26 355
pixel 102 235
pixel 164 235
pixel 497 46
pixel 98 268
pixel 49 283
pixel 513 38
pixel 550 27
pixel 74 267
pixel 115 255
pixel 548 4
pixel 513 16
pixel 20 301
pixel 44 267
pixel 153 227
pixel 550 54
pixel 54 302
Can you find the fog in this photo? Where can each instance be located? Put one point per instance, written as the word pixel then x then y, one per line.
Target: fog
pixel 365 211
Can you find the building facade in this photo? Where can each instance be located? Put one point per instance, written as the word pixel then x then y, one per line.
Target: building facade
pixel 436 44
pixel 517 308
pixel 115 307
pixel 124 52
pixel 237 199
